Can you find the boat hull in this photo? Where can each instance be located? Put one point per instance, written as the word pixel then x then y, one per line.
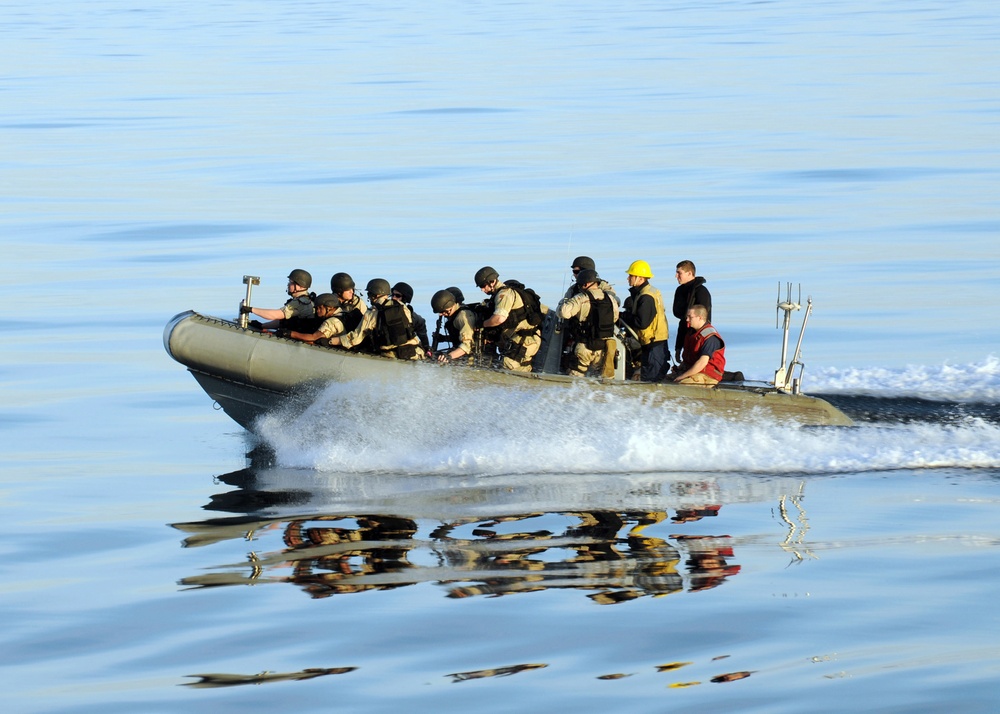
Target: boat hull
pixel 250 373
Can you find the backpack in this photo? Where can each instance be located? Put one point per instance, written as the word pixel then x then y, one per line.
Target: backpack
pixel 532 303
pixel 393 327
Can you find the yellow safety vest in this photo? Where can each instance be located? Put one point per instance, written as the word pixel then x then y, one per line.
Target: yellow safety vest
pixel 658 330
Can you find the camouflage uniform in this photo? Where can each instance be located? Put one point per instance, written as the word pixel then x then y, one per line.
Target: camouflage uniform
pixel 462 328
pixel 331 327
pixel 348 310
pixel 368 324
pixel 507 301
pixel 587 362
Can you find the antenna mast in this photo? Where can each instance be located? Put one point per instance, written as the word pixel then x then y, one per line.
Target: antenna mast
pixel 784 376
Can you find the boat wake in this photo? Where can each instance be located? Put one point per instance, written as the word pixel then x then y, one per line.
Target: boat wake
pixel 947 394
pixel 959 383
pixel 435 425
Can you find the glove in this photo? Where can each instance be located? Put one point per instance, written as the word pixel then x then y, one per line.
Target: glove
pixel 256 325
pixel 246 310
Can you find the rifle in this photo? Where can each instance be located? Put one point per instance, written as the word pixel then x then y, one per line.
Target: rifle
pixel 440 335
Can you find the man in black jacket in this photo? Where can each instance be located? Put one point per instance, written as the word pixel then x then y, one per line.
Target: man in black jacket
pixel 690 291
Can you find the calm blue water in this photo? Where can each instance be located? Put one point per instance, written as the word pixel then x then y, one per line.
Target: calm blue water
pixel 433 553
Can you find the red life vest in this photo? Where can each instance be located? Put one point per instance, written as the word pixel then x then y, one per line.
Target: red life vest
pixel 693 344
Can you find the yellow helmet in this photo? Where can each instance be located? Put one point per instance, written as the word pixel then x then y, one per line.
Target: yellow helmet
pixel 640 268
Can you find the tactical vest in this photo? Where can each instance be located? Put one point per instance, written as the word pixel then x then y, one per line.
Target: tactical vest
pixel 393 326
pixel 302 324
pixel 600 323
pixel 449 325
pixel 530 311
pixel 351 313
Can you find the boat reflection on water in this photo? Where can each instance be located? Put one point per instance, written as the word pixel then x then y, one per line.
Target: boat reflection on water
pixel 221 679
pixel 614 538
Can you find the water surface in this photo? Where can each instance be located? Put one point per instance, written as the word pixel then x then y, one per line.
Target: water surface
pixel 429 552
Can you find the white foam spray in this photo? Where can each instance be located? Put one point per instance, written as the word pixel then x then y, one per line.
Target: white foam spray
pixel 434 424
pixel 973 382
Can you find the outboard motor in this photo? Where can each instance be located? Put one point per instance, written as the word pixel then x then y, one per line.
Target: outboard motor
pixel 629 360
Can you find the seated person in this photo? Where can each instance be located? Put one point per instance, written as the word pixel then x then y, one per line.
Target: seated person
pixel 298 307
pixel 402 292
pixel 704 357
pixel 352 307
pixel 387 327
pixel 460 325
pixel 327 310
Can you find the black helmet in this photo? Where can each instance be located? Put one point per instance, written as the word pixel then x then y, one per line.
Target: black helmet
pixel 442 300
pixel 341 282
pixel 486 275
pixel 327 300
pixel 459 297
pixel 586 276
pixel 584 263
pixel 301 277
pixel 377 286
pixel 405 290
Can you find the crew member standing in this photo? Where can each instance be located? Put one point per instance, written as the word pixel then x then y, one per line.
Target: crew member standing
pixel 643 312
pixel 518 317
pixel 690 291
pixel 592 315
pixel 584 262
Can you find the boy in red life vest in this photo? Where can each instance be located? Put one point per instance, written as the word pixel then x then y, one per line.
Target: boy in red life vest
pixel 704 356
